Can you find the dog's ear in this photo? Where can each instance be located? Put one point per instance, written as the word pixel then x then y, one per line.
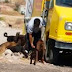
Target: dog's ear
pixel 16 37
pixel 18 33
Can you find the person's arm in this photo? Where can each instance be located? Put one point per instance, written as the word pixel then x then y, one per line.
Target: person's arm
pixel 31 41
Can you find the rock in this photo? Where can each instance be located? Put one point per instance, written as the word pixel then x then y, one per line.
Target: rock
pixel 2 24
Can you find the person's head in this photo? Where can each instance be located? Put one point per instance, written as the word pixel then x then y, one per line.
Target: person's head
pixel 36 25
pixel 36 22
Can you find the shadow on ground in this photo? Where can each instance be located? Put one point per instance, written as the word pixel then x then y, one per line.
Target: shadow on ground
pixel 65 59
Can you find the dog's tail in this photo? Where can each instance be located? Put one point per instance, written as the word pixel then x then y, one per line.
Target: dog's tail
pixel 5 34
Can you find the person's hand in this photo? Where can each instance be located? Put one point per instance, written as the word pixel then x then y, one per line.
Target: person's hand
pixel 32 46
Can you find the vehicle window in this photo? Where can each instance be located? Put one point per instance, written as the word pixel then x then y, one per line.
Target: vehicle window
pixel 51 5
pixel 66 3
pixel 47 4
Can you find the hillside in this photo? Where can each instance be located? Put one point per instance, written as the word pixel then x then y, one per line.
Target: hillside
pixel 9 13
pixel 11 7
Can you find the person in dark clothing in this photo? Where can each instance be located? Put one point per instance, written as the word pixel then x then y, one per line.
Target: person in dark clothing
pixel 34 31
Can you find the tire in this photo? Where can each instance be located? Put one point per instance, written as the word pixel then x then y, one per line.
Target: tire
pixel 52 53
pixel 46 53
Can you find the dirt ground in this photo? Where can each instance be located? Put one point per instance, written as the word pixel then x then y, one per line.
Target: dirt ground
pixel 22 65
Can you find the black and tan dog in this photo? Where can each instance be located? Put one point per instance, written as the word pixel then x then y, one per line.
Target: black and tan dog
pixel 38 53
pixel 20 39
pixel 6 45
pixel 14 47
pixel 11 38
pixel 19 48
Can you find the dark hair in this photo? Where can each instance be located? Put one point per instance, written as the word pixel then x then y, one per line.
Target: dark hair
pixel 36 22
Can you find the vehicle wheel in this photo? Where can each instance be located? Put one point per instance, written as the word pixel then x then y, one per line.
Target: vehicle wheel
pixel 53 55
pixel 52 52
pixel 46 53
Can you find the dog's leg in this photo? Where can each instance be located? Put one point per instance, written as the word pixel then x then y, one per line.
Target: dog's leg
pixel 30 60
pixel 43 56
pixel 35 62
pixel 25 54
pixel 36 58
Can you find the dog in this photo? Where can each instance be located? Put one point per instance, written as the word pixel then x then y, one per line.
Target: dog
pixel 21 43
pixel 20 39
pixel 13 46
pixel 19 48
pixel 6 45
pixel 33 56
pixel 11 38
pixel 38 53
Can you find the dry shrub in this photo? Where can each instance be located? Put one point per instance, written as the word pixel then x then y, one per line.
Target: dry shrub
pixel 2 18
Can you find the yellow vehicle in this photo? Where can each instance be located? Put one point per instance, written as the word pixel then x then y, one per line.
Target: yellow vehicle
pixel 58 29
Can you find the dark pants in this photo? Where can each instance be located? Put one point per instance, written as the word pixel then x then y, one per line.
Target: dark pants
pixel 36 36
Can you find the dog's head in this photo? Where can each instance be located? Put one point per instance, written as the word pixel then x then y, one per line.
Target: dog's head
pixel 20 39
pixel 16 37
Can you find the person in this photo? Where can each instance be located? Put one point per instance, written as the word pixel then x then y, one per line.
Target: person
pixel 35 31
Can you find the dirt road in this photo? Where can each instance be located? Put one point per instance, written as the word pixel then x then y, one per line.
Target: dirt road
pixel 26 67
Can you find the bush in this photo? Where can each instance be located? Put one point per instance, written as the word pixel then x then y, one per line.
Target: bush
pixel 6 1
pixel 17 6
pixel 16 9
pixel 1 18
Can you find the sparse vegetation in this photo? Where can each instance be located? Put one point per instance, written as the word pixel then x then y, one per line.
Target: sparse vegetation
pixel 18 3
pixel 2 18
pixel 16 9
pixel 17 6
pixel 6 1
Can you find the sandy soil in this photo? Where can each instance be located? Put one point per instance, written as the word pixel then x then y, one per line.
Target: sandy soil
pixel 20 65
